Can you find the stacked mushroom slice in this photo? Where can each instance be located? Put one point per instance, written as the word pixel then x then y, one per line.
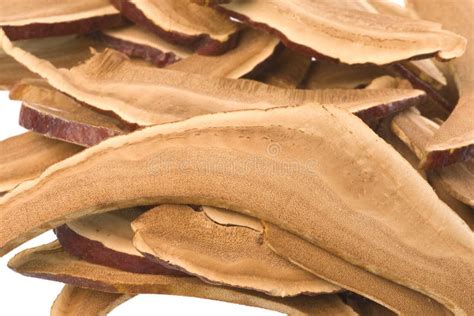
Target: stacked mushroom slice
pixel 282 161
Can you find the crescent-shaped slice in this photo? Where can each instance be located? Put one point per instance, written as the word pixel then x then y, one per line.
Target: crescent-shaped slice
pixel 52 263
pixel 234 256
pixel 25 19
pixel 73 301
pixel 230 218
pixel 182 22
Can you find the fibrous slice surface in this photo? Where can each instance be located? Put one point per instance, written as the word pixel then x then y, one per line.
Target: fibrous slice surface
pixel 236 154
pixel 26 156
pixel 234 256
pixel 53 263
pixel 183 23
pixel 44 18
pixel 230 218
pixel 79 301
pixel 346 34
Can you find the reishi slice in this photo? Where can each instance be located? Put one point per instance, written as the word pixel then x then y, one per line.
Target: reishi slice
pixel 230 218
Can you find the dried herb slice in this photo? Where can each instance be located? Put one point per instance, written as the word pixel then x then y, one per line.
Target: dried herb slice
pixel 23 19
pixel 52 263
pixel 182 22
pixel 344 34
pixel 75 301
pixel 26 156
pixel 230 218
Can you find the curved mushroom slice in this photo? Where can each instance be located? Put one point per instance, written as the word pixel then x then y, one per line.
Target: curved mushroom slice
pixel 136 42
pixel 24 19
pixel 326 265
pixel 75 301
pixel 62 52
pixel 52 263
pixel 254 51
pixel 230 218
pixel 56 115
pixel 345 34
pixel 233 256
pixel 221 160
pixel 388 82
pixel 416 131
pixel 147 95
pixel 106 239
pixel 182 22
pixel 454 141
pixel 26 156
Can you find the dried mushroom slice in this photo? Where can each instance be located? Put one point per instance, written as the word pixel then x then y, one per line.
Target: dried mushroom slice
pixel 233 256
pixel 230 218
pixel 106 239
pixel 454 141
pixel 147 95
pixel 26 156
pixel 221 160
pixel 73 301
pixel 55 115
pixel 345 34
pixel 252 55
pixel 136 42
pixel 24 19
pixel 52 263
pixel 182 22
pixel 326 265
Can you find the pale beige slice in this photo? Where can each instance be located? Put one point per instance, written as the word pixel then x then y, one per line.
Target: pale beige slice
pixel 74 301
pixel 26 156
pixel 230 218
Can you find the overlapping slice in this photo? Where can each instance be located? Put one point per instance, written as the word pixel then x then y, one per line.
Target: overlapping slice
pixel 234 256
pixel 75 301
pixel 230 218
pixel 342 33
pixel 26 156
pixel 221 160
pixel 52 263
pixel 24 19
pixel 182 22
pixel 56 115
pixel 149 95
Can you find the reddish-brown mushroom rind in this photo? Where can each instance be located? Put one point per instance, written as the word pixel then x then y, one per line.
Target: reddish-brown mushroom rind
pixel 95 252
pixel 442 158
pixel 202 44
pixel 83 26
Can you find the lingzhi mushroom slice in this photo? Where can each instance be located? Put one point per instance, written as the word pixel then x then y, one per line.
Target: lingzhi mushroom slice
pixel 148 95
pixel 136 42
pixel 234 256
pixel 25 19
pixel 221 160
pixel 454 141
pixel 251 56
pixel 341 33
pixel 55 115
pixel 106 239
pixel 182 22
pixel 52 263
pixel 73 301
pixel 230 218
pixel 26 156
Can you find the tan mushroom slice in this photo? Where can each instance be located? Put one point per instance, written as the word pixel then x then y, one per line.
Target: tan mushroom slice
pixel 289 71
pixel 26 156
pixel 234 256
pixel 345 34
pixel 106 239
pixel 326 265
pixel 136 42
pixel 454 141
pixel 24 19
pixel 147 95
pixel 62 52
pixel 388 82
pixel 416 131
pixel 52 263
pixel 221 160
pixel 254 50
pixel 230 218
pixel 73 301
pixel 55 115
pixel 182 22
